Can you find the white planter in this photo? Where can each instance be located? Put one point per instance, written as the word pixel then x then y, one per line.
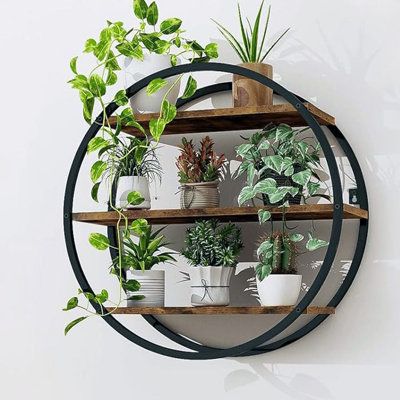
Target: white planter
pixel 210 285
pixel 152 286
pixel 199 195
pixel 279 290
pixel 135 70
pixel 127 184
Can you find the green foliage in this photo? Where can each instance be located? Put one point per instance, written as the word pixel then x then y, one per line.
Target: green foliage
pixel 210 244
pixel 251 49
pixel 99 241
pixel 276 254
pixel 202 165
pixel 145 254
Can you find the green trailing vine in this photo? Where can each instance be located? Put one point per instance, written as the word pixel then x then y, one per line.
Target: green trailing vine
pixel 119 155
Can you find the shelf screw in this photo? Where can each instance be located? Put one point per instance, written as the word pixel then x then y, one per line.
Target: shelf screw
pixel 298 105
pixel 65 215
pixel 337 206
pixel 298 310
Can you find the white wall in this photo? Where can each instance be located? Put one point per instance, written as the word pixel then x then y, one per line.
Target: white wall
pixel 342 55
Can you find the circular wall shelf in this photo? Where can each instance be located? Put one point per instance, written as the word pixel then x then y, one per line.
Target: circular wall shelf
pixel 296 113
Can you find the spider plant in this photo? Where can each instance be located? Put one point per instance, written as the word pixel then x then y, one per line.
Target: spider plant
pixel 251 49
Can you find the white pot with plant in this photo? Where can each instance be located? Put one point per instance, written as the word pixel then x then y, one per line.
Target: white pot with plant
pixel 212 251
pixel 139 257
pixel 252 50
pixel 154 47
pixel 199 173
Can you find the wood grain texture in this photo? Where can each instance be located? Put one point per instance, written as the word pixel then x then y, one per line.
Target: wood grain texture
pixel 224 214
pixel 218 310
pixel 231 119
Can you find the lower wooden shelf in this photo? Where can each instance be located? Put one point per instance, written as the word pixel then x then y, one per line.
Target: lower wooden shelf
pixel 207 310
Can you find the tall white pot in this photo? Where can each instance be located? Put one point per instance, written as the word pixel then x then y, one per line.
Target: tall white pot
pixel 127 184
pixel 210 285
pixel 279 290
pixel 135 70
pixel 152 287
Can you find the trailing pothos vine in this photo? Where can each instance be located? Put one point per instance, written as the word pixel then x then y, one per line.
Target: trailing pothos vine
pixel 114 42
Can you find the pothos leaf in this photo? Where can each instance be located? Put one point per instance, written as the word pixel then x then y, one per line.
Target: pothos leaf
pixel 90 45
pixel 72 65
pixel 72 303
pixel 190 88
pixel 73 323
pixel 157 127
pixel 99 241
pixel 131 285
pixel 137 297
pixel 97 170
pixel 155 85
pixel 140 8
pixel 211 50
pixel 139 226
pixel 120 98
pixel 95 192
pixel 135 198
pixel 245 194
pixel 314 243
pixel 170 25
pixel 96 143
pixel 263 216
pixel 152 14
pixel 302 177
pixel 168 111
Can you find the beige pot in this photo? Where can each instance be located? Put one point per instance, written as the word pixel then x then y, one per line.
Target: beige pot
pixel 250 93
pixel 200 195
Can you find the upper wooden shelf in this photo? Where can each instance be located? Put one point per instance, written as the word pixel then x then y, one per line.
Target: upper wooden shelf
pixel 207 310
pixel 224 214
pixel 231 119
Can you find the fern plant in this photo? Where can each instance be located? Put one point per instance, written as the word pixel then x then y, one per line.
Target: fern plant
pixel 202 165
pixel 210 244
pixel 251 49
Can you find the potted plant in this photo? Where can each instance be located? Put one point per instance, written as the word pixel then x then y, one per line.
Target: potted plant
pixel 280 166
pixel 199 173
pixel 138 259
pixel 212 251
pixel 278 283
pixel 146 47
pixel 251 51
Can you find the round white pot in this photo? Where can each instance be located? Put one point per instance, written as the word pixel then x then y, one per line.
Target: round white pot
pixel 152 287
pixel 127 184
pixel 200 195
pixel 279 290
pixel 135 70
pixel 210 285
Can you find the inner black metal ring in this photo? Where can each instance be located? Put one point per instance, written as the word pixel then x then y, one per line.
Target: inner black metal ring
pixel 336 299
pixel 335 233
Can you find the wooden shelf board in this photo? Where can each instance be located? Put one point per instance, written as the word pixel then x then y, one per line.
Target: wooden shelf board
pixel 231 119
pixel 218 310
pixel 224 214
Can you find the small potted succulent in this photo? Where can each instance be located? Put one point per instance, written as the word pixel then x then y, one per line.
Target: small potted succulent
pixel 252 52
pixel 138 259
pixel 212 251
pixel 278 283
pixel 199 173
pixel 280 167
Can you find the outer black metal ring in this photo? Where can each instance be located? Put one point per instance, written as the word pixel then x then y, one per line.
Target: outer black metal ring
pixel 336 299
pixel 335 233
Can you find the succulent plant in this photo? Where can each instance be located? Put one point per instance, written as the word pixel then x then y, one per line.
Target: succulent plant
pixel 210 244
pixel 202 165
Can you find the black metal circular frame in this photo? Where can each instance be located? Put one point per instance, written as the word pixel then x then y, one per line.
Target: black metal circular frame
pixel 256 345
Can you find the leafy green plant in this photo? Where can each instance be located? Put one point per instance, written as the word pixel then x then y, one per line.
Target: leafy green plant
pixel 145 254
pixel 202 165
pixel 129 156
pixel 251 48
pixel 210 244
pixel 273 151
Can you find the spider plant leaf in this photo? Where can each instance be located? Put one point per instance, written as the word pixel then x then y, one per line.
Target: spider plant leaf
pixel 254 36
pixel 264 34
pixel 274 44
pixel 232 41
pixel 245 35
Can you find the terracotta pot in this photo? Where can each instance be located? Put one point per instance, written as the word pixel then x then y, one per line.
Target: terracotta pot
pixel 248 92
pixel 200 195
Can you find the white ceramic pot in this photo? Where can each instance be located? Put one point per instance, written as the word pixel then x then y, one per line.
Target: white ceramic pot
pixel 200 195
pixel 210 285
pixel 127 184
pixel 135 70
pixel 279 290
pixel 152 287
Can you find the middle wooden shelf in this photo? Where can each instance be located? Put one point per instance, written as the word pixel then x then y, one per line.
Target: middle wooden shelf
pixel 223 214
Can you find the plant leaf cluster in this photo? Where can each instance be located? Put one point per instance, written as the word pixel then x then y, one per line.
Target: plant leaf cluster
pixel 209 243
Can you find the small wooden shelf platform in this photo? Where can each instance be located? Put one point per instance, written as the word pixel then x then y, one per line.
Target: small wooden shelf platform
pixel 218 310
pixel 223 214
pixel 230 119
